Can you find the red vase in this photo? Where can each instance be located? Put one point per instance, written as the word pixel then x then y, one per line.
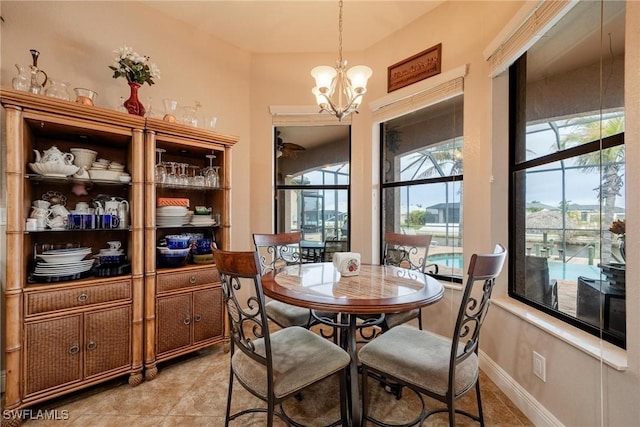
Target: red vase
pixel 133 104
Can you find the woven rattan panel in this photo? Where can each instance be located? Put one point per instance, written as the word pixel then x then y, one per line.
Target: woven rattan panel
pixel 207 314
pixel 53 353
pixel 172 281
pixel 174 322
pixel 108 340
pixel 46 301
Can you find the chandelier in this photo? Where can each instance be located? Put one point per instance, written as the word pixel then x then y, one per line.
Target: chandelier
pixel 349 85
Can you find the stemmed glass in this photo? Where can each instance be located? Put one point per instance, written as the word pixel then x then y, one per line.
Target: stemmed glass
pixel 209 177
pixel 215 177
pixel 161 171
pixel 172 177
pixel 183 179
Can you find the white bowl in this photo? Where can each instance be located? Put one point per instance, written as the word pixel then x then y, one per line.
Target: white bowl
pixel 83 157
pixel 125 178
pixel 104 174
pixel 54 169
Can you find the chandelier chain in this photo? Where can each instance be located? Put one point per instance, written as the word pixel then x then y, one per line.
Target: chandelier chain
pixel 340 34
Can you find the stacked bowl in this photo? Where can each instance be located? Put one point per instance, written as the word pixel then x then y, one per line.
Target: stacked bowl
pixel 176 252
pixel 172 216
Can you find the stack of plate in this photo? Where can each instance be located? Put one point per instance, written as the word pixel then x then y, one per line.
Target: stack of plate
pixel 203 220
pixel 172 216
pixel 62 264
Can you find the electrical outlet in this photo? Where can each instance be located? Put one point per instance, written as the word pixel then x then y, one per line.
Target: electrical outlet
pixel 539 366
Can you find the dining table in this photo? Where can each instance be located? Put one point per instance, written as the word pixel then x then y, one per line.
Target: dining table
pixel 376 289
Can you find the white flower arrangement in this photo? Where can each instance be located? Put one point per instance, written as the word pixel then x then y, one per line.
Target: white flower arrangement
pixel 134 67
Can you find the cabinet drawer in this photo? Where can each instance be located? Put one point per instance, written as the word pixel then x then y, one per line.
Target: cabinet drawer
pixel 171 281
pixel 48 301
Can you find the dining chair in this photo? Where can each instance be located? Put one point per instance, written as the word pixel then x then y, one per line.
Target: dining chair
pixel 406 251
pixel 277 250
pixel 440 367
pixel 271 366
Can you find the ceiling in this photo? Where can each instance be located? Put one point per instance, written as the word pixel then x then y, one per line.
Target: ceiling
pixel 300 26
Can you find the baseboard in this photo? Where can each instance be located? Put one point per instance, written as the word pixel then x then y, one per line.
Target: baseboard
pixel 537 414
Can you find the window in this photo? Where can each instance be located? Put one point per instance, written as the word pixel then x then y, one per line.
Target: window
pixel 567 171
pixel 312 182
pixel 422 162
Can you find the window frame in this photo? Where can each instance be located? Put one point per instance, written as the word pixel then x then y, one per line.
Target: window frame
pixel 315 187
pixel 517 123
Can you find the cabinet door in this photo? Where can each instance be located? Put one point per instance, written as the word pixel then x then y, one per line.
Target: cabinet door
pixel 53 353
pixel 107 343
pixel 207 314
pixel 173 322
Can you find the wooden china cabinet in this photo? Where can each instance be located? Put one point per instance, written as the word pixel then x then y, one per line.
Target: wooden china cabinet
pixel 68 332
pixel 71 330
pixel 183 306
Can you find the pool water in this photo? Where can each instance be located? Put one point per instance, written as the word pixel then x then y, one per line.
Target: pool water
pixel 451 260
pixel 557 270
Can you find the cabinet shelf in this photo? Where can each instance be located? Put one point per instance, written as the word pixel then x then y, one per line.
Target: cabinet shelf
pixel 187 187
pixel 71 180
pixel 68 230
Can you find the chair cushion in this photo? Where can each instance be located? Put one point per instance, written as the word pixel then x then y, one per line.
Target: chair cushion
pixel 395 319
pixel 300 358
pixel 418 357
pixel 286 315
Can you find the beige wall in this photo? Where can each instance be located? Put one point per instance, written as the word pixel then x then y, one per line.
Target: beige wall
pixel 76 40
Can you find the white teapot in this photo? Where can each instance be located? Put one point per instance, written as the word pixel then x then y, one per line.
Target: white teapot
pixel 53 155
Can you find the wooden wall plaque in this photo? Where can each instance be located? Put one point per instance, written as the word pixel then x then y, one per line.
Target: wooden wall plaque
pixel 418 67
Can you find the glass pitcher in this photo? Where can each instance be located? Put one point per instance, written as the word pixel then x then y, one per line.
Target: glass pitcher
pixel 23 80
pixel 31 78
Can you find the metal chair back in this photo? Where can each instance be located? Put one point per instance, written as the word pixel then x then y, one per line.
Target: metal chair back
pixel 277 250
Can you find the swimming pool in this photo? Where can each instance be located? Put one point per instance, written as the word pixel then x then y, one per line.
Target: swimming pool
pixel 557 270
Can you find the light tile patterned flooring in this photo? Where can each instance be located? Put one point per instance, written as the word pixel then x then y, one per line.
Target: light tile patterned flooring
pixel 192 390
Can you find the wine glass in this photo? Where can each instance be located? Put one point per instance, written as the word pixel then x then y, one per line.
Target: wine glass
pixel 161 170
pixel 172 176
pixel 209 172
pixel 183 179
pixel 215 176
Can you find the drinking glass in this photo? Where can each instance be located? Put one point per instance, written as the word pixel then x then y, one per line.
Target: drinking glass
pixel 215 177
pixel 208 172
pixel 161 170
pixel 172 176
pixel 183 178
pixel 170 109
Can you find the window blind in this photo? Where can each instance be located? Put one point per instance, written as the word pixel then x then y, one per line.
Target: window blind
pixel 522 33
pixel 419 95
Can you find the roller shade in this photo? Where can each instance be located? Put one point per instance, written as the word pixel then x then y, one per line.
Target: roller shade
pixel 419 95
pixel 531 23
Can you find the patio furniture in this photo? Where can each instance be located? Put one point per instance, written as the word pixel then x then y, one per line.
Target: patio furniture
pixel 538 286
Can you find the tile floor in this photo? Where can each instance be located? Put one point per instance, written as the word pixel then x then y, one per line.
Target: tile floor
pixel 192 390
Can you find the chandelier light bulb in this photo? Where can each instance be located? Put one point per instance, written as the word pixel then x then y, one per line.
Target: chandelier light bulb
pixel 359 76
pixel 324 76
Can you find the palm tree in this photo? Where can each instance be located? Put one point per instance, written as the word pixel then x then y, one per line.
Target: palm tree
pixel 433 161
pixel 609 163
